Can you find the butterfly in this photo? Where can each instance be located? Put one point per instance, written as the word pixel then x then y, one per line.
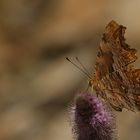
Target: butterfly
pixel 115 79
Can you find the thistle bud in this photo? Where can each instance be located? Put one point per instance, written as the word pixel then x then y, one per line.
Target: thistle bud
pixel 91 119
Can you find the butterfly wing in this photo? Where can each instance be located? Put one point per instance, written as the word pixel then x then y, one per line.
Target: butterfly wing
pixel 115 79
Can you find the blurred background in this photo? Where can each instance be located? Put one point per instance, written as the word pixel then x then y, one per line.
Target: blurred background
pixel 37 84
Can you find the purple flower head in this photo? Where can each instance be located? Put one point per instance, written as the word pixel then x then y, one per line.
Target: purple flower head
pixel 91 119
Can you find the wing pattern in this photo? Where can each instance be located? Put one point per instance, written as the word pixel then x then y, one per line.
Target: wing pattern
pixel 115 79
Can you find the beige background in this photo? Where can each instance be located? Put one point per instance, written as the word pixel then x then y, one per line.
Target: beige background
pixel 36 82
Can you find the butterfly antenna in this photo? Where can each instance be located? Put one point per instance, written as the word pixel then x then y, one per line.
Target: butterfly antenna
pixel 83 70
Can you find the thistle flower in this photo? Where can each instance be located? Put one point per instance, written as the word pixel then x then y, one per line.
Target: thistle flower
pixel 91 119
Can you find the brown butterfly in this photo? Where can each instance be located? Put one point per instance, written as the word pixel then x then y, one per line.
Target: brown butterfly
pixel 115 79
